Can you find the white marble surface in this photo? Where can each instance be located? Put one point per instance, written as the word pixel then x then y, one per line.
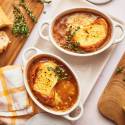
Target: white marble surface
pixel 91 115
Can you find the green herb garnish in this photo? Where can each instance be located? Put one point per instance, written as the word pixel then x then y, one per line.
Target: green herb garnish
pixel 62 75
pixel 19 27
pixel 119 70
pixel 71 34
pixel 60 72
pixel 73 46
pixel 28 11
pixel 75 31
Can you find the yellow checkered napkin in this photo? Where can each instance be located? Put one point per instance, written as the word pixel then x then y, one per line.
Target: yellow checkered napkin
pixel 14 100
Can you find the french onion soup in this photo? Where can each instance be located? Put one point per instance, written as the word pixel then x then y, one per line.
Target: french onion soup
pixel 52 83
pixel 81 32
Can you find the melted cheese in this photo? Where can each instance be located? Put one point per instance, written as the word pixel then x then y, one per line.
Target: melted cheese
pixel 80 20
pixel 93 30
pixel 45 79
pixel 90 35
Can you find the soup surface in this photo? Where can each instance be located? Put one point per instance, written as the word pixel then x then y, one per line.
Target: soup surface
pixel 52 83
pixel 81 32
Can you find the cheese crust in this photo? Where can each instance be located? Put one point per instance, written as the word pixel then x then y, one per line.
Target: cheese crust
pixel 92 33
pixel 45 79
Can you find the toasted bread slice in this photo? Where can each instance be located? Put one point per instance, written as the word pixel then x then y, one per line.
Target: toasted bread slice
pixel 4 41
pixel 45 79
pixel 4 21
pixel 92 36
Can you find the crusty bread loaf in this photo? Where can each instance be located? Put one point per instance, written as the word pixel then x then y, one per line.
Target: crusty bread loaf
pixel 4 21
pixel 112 103
pixel 4 41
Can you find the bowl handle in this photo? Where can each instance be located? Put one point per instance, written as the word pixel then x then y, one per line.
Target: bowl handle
pixel 118 25
pixel 78 112
pixel 42 29
pixel 29 52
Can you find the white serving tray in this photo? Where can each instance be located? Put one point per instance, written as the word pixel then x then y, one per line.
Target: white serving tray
pixel 88 69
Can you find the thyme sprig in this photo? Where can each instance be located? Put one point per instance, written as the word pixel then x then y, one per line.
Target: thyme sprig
pixel 28 10
pixel 19 27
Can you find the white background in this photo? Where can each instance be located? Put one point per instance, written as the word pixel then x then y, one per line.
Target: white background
pixel 91 115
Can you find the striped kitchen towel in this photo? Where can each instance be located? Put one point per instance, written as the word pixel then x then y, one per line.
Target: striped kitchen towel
pixel 15 105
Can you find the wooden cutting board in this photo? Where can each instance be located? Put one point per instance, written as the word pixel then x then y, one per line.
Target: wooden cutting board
pixel 8 56
pixel 112 102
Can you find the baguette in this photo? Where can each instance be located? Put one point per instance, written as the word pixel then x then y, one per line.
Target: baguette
pixel 4 21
